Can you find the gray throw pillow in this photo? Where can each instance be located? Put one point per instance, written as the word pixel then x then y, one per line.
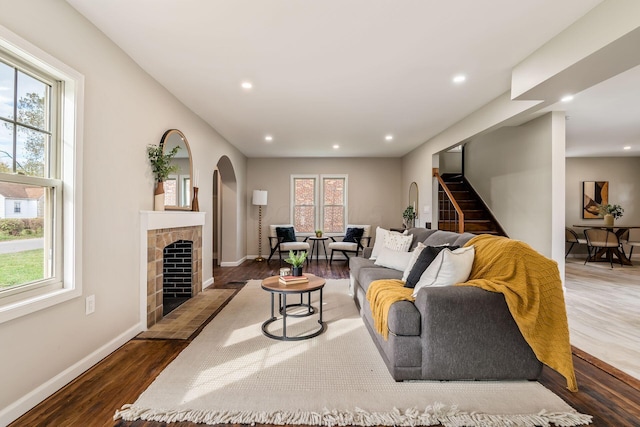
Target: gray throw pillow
pixel 425 258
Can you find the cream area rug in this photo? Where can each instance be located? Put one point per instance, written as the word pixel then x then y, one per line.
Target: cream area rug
pixel 232 374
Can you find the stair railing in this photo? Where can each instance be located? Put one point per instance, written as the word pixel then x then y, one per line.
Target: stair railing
pixel 454 220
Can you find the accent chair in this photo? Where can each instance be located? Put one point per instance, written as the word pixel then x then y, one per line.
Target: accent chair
pixel 282 238
pixel 356 237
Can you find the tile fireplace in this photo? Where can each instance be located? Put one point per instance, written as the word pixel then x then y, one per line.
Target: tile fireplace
pixel 161 230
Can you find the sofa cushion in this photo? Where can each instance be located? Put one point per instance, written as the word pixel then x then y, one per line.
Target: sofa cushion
pixel 404 319
pixel 420 234
pixel 424 260
pixel 356 263
pixel 368 275
pixel 448 268
pixel 464 238
pixel 440 238
pixel 397 260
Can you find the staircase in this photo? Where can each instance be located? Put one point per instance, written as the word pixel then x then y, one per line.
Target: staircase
pixel 477 217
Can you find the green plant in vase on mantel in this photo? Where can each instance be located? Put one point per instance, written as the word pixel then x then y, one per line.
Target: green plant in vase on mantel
pixel 409 216
pixel 610 212
pixel 162 168
pixel 297 261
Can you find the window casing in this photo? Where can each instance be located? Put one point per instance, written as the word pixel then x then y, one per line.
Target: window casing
pixel 40 155
pixel 319 202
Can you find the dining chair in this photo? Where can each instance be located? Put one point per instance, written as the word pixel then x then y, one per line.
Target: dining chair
pixel 601 239
pixel 631 238
pixel 571 236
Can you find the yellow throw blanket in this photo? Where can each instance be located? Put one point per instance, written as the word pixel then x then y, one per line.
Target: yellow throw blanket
pixel 381 294
pixel 532 287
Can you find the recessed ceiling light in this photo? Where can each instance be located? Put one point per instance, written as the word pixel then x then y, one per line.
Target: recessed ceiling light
pixel 268 138
pixel 567 98
pixel 246 85
pixel 336 146
pixel 460 78
pixel 627 147
pixel 388 137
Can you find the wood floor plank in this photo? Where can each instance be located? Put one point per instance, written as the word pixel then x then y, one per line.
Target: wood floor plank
pixel 93 398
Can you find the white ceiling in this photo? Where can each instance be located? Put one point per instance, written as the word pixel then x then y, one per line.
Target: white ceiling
pixel 344 72
pixel 605 118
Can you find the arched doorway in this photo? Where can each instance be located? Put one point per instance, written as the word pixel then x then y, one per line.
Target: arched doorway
pixel 225 213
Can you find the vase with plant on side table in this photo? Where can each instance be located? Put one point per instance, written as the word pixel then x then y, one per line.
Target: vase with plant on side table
pixel 610 213
pixel 409 217
pixel 297 261
pixel 162 168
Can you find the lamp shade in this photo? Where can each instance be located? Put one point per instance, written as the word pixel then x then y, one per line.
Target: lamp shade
pixel 260 197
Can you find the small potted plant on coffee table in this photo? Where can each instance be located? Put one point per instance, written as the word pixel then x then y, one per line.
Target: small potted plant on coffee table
pixel 296 261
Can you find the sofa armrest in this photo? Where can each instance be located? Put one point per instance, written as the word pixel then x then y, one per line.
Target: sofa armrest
pixel 469 333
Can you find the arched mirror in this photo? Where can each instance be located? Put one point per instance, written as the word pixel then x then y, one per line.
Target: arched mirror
pixel 178 187
pixel 413 197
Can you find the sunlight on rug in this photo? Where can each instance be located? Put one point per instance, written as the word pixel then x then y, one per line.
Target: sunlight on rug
pixel 232 374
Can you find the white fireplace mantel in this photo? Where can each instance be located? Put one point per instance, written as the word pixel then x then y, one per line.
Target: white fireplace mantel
pixel 155 220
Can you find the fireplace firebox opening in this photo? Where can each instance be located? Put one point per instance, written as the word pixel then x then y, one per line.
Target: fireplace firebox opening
pixel 177 261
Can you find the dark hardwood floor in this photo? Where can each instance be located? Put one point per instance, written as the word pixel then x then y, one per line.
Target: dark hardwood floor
pixel 611 396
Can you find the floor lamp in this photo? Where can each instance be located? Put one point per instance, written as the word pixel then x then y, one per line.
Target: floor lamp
pixel 259 200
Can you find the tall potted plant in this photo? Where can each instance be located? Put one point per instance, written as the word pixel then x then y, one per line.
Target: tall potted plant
pixel 162 168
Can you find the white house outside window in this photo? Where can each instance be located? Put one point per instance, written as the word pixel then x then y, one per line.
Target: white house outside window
pixel 37 95
pixel 319 202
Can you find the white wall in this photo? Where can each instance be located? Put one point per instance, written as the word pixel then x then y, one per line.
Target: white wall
pixel 373 191
pixel 125 109
pixel 511 169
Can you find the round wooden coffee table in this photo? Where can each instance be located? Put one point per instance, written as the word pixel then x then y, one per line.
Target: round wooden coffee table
pixel 273 285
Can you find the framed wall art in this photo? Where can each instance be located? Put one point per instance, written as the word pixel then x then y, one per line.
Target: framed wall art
pixel 594 193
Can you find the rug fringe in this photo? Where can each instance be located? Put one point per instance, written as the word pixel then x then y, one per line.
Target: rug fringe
pixel 448 416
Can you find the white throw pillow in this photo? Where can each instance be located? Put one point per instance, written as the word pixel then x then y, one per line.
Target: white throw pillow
pixel 414 257
pixel 381 233
pixel 448 268
pixel 397 260
pixel 398 242
pixel 379 242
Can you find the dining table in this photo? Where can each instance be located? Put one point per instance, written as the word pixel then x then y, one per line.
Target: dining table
pixel 619 230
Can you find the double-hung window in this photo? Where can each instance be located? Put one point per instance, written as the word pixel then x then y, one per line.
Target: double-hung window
pixel 38 141
pixel 319 202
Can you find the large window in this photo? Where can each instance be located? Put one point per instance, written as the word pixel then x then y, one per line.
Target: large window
pixel 319 202
pixel 38 141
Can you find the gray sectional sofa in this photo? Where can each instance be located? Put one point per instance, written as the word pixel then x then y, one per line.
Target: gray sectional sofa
pixel 448 333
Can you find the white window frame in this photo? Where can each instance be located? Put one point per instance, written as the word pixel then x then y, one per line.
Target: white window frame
pixel 69 218
pixel 318 195
pixel 292 203
pixel 345 201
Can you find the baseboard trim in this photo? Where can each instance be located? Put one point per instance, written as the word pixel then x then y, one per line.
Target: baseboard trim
pixel 27 402
pixel 233 263
pixel 207 283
